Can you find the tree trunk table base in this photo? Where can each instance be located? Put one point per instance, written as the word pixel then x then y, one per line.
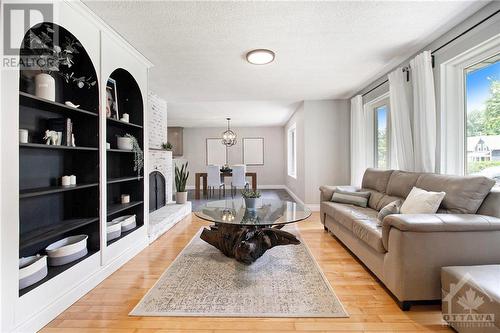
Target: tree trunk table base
pixel 246 243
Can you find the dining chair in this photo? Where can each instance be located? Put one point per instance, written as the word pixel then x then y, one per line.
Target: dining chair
pixel 214 180
pixel 239 178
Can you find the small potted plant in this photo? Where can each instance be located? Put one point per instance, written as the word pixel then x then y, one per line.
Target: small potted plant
pixel 167 146
pixel 250 197
pixel 181 177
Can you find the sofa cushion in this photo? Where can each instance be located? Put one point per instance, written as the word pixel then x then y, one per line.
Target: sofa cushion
pixel 351 197
pixel 375 197
pixel 392 208
pixel 491 204
pixel 401 182
pixel 422 202
pixel 376 179
pixel 346 214
pixel 463 194
pixel 385 200
pixel 362 222
pixel 370 233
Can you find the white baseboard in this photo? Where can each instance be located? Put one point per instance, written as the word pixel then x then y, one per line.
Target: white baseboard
pixel 312 207
pixel 294 196
pixel 271 187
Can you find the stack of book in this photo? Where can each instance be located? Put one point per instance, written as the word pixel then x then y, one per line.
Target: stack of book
pixel 63 126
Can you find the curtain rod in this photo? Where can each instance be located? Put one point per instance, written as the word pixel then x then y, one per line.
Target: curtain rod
pixel 440 47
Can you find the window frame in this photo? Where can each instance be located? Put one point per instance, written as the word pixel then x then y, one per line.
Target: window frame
pixel 385 101
pixel 465 111
pixel 292 151
pixel 370 107
pixel 453 136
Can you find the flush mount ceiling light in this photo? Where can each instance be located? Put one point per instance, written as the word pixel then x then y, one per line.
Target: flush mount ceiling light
pixel 260 56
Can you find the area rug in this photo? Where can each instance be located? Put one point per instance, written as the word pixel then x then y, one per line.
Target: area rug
pixel 285 282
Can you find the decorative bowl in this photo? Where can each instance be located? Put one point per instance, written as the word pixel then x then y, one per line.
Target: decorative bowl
pixel 128 222
pixel 67 250
pixel 31 270
pixel 113 230
pixel 124 143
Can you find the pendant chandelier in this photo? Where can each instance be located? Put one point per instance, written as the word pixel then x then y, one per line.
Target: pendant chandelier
pixel 228 137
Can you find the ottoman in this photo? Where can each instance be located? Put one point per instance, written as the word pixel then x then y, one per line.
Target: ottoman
pixel 471 298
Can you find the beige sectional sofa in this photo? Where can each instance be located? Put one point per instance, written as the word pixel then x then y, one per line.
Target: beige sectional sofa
pixel 407 252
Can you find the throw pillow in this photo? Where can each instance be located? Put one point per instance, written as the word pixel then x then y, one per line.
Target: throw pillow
pixel 392 208
pixel 353 198
pixel 422 202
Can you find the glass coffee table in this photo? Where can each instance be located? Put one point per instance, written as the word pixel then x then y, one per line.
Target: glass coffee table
pixel 246 234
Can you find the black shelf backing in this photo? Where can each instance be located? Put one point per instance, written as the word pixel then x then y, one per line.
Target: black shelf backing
pixel 44 233
pixel 46 105
pixel 44 146
pixel 124 123
pixel 123 235
pixel 123 179
pixel 33 192
pixel 116 208
pixel 54 271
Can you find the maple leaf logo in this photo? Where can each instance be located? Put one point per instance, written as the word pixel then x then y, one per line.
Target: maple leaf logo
pixel 470 301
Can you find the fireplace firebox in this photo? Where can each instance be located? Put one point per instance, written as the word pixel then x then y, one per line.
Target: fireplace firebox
pixel 157 191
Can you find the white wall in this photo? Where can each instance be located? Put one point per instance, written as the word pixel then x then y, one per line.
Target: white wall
pixel 296 184
pixel 326 146
pixel 322 147
pixel 271 173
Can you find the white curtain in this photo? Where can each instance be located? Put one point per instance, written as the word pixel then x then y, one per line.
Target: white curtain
pixel 358 140
pixel 424 113
pixel 401 134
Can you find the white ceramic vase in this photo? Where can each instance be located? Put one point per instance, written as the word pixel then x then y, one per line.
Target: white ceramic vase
pixel 45 86
pixel 181 197
pixel 124 143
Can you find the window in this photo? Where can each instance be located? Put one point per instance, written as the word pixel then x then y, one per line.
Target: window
pixel 482 97
pixel 382 134
pixel 292 151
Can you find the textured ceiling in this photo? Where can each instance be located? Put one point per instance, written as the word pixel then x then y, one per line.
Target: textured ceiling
pixel 324 50
pixel 242 113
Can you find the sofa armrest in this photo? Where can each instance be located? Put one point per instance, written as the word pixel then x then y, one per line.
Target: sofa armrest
pixel 326 191
pixel 438 223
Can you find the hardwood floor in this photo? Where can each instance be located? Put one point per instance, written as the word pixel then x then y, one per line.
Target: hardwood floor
pixel 371 308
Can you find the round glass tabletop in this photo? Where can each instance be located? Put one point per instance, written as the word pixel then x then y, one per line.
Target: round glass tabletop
pixel 267 212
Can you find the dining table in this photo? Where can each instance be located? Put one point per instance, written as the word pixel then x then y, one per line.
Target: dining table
pixel 200 179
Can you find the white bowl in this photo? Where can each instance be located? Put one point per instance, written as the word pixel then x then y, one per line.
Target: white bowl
pixel 31 270
pixel 124 143
pixel 67 250
pixel 113 229
pixel 127 222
